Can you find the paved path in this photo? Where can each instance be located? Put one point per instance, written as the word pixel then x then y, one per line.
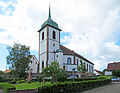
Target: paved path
pixel 1 91
pixel 113 88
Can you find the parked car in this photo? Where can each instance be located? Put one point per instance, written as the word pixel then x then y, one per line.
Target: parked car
pixel 114 79
pixel 71 77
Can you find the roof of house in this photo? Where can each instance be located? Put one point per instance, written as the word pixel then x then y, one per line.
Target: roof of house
pixel 99 72
pixel 113 66
pixel 7 71
pixel 67 51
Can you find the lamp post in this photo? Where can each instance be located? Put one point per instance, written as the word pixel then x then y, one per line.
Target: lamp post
pixel 73 70
pixel 54 54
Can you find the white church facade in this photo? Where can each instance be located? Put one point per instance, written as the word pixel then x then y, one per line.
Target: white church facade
pixel 50 49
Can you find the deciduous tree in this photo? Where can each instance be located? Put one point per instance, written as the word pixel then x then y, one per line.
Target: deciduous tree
pixel 53 70
pixel 19 59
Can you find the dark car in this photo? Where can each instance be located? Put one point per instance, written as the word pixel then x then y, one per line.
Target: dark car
pixel 114 79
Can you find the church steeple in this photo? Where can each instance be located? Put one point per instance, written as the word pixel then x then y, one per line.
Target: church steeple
pixel 49 17
pixel 49 21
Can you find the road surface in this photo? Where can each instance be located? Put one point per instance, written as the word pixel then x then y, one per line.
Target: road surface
pixel 113 88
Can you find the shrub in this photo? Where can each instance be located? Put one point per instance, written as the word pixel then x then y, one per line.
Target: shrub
pixel 72 87
pixel 61 77
pixel 13 81
pixel 40 79
pixel 29 81
pixel 83 79
pixel 22 81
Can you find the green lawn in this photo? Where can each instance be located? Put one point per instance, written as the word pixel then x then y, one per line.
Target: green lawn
pixel 6 86
pixel 32 85
pixel 107 77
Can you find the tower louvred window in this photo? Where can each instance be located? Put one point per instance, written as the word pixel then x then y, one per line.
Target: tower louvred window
pixel 42 35
pixel 54 35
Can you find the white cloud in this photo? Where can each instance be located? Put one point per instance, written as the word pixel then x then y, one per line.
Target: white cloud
pixel 93 24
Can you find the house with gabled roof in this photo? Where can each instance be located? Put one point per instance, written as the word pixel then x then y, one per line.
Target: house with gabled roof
pixel 111 67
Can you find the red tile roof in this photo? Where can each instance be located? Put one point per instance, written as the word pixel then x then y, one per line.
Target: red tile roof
pixel 99 72
pixel 113 66
pixel 7 71
pixel 67 51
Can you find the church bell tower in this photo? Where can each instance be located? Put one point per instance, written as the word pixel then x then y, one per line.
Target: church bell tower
pixel 49 42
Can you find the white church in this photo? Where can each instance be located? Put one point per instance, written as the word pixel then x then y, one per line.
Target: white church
pixel 50 49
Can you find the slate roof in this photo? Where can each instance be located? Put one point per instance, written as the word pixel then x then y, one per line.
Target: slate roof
pixel 113 66
pixel 67 51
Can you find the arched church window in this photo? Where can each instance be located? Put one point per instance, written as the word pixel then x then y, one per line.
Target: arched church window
pixel 42 35
pixel 54 35
pixel 69 60
pixel 42 64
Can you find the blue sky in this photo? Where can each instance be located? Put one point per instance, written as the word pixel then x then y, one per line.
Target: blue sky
pixel 90 28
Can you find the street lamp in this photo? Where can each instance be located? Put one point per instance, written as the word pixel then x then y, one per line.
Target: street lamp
pixel 73 71
pixel 54 54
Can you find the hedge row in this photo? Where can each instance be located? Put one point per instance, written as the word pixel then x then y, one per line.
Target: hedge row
pixel 6 86
pixel 83 79
pixel 72 87
pixel 11 79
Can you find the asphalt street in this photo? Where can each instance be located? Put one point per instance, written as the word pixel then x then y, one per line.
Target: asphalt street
pixel 113 88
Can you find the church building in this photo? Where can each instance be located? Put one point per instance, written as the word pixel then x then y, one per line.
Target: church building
pixel 50 49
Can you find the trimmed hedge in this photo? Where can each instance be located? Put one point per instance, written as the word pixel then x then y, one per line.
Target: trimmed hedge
pixel 11 79
pixel 7 86
pixel 72 87
pixel 83 79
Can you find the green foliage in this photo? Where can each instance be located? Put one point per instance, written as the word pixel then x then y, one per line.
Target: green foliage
pixel 29 81
pixel 40 79
pixel 82 67
pixel 1 72
pixel 61 77
pixel 13 81
pixel 103 72
pixel 18 59
pixel 83 79
pixel 116 73
pixel 6 86
pixel 72 87
pixel 52 70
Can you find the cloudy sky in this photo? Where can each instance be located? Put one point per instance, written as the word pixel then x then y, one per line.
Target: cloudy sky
pixel 89 27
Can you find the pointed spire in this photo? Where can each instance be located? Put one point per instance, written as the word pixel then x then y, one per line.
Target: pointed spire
pixel 49 17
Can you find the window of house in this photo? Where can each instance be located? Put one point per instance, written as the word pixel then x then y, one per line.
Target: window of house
pixel 69 60
pixel 57 55
pixel 42 35
pixel 42 64
pixel 33 58
pixel 54 35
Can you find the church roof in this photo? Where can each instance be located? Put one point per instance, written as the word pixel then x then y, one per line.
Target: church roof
pixel 49 21
pixel 67 51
